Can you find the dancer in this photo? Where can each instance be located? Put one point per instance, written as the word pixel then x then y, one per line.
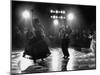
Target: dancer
pixel 65 31
pixel 36 46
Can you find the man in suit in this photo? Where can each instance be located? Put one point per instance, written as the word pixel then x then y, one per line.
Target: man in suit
pixel 65 32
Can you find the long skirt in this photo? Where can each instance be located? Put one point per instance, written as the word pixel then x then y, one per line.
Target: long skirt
pixel 37 50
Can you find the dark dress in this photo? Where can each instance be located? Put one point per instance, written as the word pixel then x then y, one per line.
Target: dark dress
pixel 37 47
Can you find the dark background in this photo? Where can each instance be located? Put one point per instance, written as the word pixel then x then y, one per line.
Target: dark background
pixel 86 16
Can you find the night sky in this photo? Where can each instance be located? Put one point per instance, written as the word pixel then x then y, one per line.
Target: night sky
pixel 85 15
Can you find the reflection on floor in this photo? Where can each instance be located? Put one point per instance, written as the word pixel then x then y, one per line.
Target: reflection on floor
pixel 54 62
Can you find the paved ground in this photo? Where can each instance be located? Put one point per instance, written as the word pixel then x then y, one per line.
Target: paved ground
pixel 55 62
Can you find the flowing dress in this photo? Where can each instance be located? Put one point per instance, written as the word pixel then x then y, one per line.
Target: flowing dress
pixel 36 46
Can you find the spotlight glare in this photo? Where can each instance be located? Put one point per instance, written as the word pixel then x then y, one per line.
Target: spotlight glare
pixel 64 12
pixel 51 11
pixel 54 17
pixel 56 11
pixel 26 14
pixel 61 12
pixel 56 22
pixel 61 17
pixel 51 16
pixel 70 16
